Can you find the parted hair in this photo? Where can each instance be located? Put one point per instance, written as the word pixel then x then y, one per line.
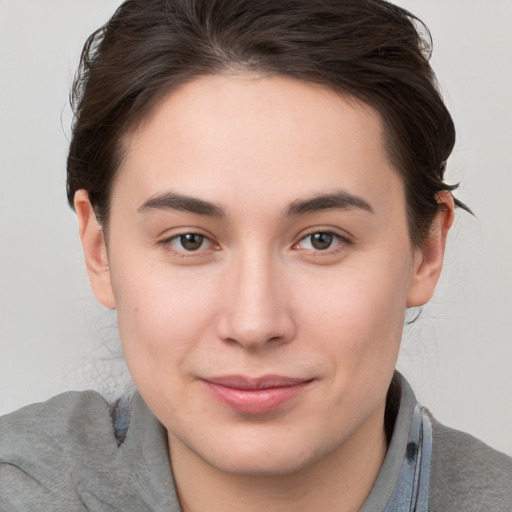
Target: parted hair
pixel 369 49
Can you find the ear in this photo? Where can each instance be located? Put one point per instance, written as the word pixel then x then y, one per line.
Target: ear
pixel 428 260
pixel 95 250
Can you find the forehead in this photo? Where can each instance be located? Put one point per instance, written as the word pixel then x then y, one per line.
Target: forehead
pixel 227 137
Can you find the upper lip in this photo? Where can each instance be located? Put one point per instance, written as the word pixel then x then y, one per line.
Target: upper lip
pixel 255 383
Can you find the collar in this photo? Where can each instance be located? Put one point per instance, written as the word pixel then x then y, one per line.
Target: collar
pixel 403 481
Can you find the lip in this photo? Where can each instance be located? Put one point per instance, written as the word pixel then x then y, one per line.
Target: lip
pixel 255 395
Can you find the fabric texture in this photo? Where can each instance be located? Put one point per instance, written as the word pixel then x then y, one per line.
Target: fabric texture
pixel 77 453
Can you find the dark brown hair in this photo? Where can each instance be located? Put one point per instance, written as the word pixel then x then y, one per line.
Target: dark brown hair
pixel 370 49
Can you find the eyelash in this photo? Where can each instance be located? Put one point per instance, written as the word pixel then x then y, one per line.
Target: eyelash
pixel 340 240
pixel 170 244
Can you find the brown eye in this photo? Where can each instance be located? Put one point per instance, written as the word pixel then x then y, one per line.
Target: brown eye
pixel 189 242
pixel 320 241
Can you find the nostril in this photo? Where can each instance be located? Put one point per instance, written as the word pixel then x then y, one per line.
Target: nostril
pixel 268 331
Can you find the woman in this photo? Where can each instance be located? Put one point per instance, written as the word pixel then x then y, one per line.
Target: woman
pixel 259 189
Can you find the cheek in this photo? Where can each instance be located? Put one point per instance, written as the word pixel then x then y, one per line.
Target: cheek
pixel 162 316
pixel 357 312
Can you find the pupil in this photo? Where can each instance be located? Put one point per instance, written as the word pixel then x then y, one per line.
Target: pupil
pixel 321 241
pixel 191 241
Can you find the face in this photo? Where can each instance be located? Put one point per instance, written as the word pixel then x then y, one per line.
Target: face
pixel 260 265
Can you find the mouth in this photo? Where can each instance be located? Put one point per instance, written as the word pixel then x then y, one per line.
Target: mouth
pixel 255 395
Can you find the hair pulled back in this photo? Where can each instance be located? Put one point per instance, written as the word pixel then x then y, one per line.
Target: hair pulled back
pixel 370 49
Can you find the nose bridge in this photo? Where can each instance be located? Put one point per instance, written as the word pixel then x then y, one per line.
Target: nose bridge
pixel 256 312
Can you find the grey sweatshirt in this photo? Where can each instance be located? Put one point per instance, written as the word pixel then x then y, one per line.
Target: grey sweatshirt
pixel 73 453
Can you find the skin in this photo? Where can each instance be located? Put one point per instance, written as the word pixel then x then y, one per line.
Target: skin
pixel 256 297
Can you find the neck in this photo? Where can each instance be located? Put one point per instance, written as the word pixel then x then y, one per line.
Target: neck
pixel 340 481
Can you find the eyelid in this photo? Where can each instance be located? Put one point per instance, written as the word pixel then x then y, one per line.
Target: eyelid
pixel 204 241
pixel 343 240
pixel 167 242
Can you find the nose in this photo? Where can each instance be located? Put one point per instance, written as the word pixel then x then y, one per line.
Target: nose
pixel 255 310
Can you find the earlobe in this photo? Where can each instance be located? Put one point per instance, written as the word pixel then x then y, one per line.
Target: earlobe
pixel 428 260
pixel 95 250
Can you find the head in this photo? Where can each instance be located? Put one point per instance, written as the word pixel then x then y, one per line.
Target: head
pixel 370 50
pixel 260 192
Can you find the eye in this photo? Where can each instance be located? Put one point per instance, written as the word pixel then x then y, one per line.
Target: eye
pixel 320 241
pixel 190 242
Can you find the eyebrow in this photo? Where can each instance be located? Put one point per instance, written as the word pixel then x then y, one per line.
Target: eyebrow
pixel 173 201
pixel 340 199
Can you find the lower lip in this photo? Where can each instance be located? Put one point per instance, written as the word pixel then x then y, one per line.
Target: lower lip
pixel 256 401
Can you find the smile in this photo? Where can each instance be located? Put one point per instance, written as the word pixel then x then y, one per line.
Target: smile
pixel 255 396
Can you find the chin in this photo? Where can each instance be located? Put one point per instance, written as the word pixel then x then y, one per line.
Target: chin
pixel 275 464
pixel 263 454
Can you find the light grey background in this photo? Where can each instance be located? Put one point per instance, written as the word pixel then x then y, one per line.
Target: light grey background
pixel 54 337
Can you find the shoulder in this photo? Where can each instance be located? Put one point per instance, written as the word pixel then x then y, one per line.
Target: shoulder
pixel 56 423
pixel 468 475
pixel 76 452
pixel 40 446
